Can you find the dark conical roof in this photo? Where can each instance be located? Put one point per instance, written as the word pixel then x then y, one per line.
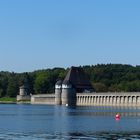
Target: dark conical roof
pixel 24 86
pixel 67 82
pixel 59 82
pixel 77 77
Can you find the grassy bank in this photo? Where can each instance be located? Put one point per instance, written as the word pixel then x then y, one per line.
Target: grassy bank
pixel 7 100
pixel 12 100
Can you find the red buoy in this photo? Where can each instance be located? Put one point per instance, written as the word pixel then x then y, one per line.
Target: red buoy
pixel 118 116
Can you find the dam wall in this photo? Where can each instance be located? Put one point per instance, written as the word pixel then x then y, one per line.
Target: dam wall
pixel 109 99
pixel 43 99
pixel 94 99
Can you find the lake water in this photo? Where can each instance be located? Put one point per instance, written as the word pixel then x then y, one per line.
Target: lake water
pixel 43 122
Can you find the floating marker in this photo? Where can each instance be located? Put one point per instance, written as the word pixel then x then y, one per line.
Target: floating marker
pixel 118 117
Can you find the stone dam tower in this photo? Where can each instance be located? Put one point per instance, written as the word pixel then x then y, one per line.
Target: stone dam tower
pixel 23 93
pixel 58 92
pixel 75 81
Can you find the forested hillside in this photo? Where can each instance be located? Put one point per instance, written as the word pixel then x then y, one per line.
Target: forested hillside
pixel 104 78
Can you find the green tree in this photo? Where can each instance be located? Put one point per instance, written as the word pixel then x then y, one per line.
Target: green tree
pixel 12 89
pixel 100 87
pixel 3 85
pixel 42 83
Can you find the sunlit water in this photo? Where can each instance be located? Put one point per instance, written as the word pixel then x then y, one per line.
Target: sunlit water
pixel 43 122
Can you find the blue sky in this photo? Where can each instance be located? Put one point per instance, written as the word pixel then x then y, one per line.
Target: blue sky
pixel 40 34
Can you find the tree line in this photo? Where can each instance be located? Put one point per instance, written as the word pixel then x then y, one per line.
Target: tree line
pixel 104 78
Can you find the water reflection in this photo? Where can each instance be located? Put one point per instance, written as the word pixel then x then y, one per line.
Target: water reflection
pixel 37 122
pixel 97 111
pixel 96 119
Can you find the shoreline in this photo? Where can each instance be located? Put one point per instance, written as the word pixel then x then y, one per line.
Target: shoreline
pixel 8 100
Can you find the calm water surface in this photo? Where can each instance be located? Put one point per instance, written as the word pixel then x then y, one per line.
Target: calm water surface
pixel 43 122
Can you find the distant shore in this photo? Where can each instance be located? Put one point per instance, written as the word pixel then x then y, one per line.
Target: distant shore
pixel 8 100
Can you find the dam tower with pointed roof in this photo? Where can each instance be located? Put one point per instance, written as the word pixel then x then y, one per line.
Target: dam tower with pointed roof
pixel 75 81
pixel 68 94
